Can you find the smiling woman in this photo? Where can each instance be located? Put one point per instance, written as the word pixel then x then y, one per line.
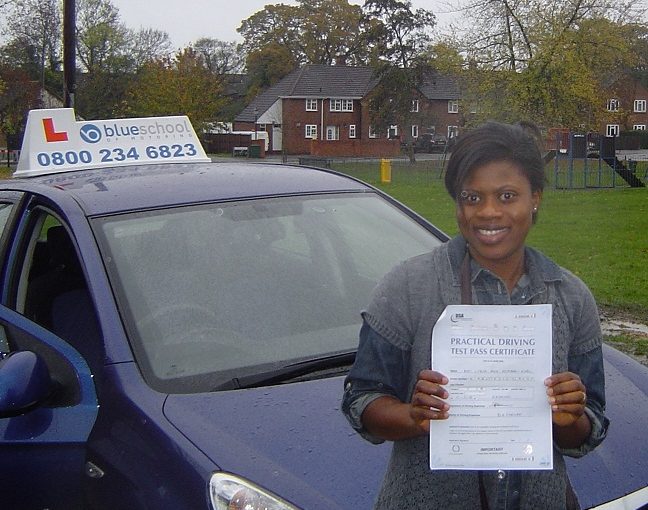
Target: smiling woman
pixel 495 176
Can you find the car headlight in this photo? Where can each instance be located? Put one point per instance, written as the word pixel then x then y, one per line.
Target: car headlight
pixel 229 492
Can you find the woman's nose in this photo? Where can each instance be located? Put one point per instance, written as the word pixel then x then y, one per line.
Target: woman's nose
pixel 490 207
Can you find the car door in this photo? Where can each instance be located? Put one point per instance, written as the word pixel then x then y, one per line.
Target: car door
pixel 42 445
pixel 48 407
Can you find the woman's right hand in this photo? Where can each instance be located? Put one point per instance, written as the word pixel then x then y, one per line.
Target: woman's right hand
pixel 392 420
pixel 428 399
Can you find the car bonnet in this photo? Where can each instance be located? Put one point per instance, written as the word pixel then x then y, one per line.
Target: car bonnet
pixel 290 439
pixel 619 466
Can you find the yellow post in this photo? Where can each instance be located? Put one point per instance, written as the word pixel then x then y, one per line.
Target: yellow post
pixel 385 170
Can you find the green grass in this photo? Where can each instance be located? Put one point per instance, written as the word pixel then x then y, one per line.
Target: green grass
pixel 599 234
pixel 635 345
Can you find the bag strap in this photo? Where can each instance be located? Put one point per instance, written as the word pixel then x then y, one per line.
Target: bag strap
pixel 464 276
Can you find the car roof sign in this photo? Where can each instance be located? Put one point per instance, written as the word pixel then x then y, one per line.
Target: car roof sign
pixel 56 142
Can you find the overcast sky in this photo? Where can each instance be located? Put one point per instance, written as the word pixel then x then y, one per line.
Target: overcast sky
pixel 187 20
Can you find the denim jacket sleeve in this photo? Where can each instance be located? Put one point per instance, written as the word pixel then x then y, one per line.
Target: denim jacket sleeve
pixel 586 360
pixel 589 366
pixel 380 369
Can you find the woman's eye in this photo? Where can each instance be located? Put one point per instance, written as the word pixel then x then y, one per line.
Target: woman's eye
pixel 507 195
pixel 469 198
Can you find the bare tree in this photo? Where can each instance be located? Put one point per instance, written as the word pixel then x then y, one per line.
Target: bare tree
pixel 219 57
pixel 36 24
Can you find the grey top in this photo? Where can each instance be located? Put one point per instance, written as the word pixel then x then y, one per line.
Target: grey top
pixel 397 334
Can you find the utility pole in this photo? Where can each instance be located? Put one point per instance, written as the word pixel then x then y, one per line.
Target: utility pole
pixel 69 52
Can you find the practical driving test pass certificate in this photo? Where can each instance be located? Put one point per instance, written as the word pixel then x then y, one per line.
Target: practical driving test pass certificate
pixel 496 358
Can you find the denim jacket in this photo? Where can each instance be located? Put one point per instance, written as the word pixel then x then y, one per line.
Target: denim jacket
pixel 395 346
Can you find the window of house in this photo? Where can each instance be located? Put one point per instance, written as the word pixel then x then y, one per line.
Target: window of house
pixel 341 105
pixel 372 132
pixel 332 132
pixel 415 105
pixel 311 105
pixel 352 130
pixel 453 131
pixel 311 131
pixel 613 105
pixel 415 131
pixel 640 105
pixel 392 131
pixel 612 130
pixel 453 106
pixel 639 127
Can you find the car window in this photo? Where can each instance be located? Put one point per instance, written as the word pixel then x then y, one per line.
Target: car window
pixel 5 212
pixel 51 288
pixel 227 288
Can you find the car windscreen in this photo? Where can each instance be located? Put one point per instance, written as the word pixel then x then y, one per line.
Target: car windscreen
pixel 218 292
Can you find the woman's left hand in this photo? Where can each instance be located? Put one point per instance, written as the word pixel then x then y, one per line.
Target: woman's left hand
pixel 567 396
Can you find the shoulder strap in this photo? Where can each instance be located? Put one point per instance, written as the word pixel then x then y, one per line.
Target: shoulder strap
pixel 466 289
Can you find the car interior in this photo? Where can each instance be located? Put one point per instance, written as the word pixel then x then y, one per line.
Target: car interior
pixel 56 294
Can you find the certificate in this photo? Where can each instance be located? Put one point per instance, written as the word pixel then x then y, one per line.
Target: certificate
pixel 496 359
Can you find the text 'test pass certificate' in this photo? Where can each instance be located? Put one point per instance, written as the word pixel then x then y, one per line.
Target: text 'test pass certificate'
pixel 496 358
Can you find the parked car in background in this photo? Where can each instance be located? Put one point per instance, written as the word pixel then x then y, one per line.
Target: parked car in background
pixel 175 332
pixel 429 142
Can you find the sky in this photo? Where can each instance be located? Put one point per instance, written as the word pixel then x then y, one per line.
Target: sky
pixel 188 20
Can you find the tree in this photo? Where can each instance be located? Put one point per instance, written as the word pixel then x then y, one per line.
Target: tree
pixel 397 35
pixel 313 32
pixel 18 94
pixel 268 65
pixel 36 25
pixel 546 60
pixel 178 85
pixel 111 56
pixel 101 37
pixel 219 57
pixel 146 45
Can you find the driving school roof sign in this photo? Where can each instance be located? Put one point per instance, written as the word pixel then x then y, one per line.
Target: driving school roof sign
pixel 55 142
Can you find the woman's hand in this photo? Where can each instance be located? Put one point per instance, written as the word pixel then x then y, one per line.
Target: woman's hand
pixel 428 400
pixel 567 396
pixel 390 419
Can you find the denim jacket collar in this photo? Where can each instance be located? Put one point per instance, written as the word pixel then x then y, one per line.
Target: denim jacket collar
pixel 540 269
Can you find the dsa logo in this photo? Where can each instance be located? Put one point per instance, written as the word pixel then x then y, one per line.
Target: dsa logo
pixel 90 133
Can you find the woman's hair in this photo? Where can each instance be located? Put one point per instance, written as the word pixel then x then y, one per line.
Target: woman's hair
pixel 494 141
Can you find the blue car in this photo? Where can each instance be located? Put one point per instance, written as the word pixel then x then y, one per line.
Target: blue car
pixel 175 332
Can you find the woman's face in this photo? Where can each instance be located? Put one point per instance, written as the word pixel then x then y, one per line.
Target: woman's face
pixel 495 213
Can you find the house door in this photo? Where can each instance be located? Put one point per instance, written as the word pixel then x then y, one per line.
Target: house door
pixel 277 135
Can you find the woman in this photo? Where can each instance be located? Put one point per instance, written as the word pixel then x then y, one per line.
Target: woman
pixel 496 177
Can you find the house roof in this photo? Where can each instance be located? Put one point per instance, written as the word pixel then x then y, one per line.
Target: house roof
pixel 314 80
pixel 324 81
pixel 440 86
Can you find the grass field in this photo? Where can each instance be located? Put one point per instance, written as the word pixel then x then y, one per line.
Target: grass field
pixel 599 234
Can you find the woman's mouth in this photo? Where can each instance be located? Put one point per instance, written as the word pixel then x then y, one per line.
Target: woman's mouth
pixel 490 232
pixel 491 235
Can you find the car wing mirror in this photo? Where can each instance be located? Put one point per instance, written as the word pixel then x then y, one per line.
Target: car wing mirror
pixel 25 383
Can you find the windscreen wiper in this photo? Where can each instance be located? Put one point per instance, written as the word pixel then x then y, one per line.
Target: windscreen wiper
pixel 287 372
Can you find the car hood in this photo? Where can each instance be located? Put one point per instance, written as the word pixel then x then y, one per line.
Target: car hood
pixel 291 439
pixel 619 466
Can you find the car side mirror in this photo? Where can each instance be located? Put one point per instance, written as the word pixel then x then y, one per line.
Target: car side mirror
pixel 25 383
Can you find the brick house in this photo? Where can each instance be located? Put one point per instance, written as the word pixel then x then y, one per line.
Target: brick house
pixel 324 110
pixel 626 107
